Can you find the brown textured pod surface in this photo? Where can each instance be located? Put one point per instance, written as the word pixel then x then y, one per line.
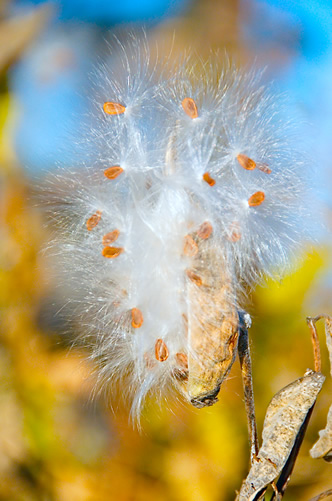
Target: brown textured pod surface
pixel 212 327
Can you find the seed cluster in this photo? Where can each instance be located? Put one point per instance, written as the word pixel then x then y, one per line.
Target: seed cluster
pixel 190 246
pixel 194 191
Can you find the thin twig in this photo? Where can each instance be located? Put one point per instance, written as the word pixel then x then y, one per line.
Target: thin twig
pixel 315 342
pixel 246 370
pixel 277 494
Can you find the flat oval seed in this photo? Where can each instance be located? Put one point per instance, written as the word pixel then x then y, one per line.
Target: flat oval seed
pixel 264 168
pixel 182 360
pixel 246 162
pixel 256 199
pixel 136 318
pixel 234 233
pixel 112 108
pixel 112 252
pixel 189 106
pixel 208 179
pixel 150 362
pixel 235 236
pixel 113 172
pixel 194 277
pixel 110 237
pixel 161 350
pixel 190 248
pixel 181 372
pixel 205 230
pixel 93 220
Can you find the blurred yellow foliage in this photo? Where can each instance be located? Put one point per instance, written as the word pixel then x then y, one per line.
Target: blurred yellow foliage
pixel 55 444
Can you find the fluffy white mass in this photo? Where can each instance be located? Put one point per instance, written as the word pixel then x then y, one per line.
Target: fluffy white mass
pixel 194 190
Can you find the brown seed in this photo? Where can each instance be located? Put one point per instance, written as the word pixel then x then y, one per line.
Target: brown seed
pixel 194 278
pixel 136 318
pixel 182 360
pixel 264 168
pixel 161 350
pixel 205 230
pixel 246 162
pixel 112 108
pixel 234 232
pixel 256 199
pixel 189 106
pixel 235 236
pixel 110 237
pixel 208 179
pixel 112 252
pixel 113 172
pixel 93 220
pixel 150 363
pixel 180 374
pixel 190 248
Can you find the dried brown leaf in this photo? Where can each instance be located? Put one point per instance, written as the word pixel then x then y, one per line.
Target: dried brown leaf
pixel 284 417
pixel 323 446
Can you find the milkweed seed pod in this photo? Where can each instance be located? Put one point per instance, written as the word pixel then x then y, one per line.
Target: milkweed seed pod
pixel 194 192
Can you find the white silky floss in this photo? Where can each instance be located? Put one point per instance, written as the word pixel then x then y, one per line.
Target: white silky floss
pixel 196 190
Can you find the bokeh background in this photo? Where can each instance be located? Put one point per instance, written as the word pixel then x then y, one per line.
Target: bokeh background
pixel 56 443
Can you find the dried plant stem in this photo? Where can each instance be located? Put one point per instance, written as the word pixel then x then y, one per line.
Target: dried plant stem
pixel 276 493
pixel 311 321
pixel 246 370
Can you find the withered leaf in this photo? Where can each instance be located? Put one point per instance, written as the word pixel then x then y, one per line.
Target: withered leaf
pixel 284 417
pixel 323 446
